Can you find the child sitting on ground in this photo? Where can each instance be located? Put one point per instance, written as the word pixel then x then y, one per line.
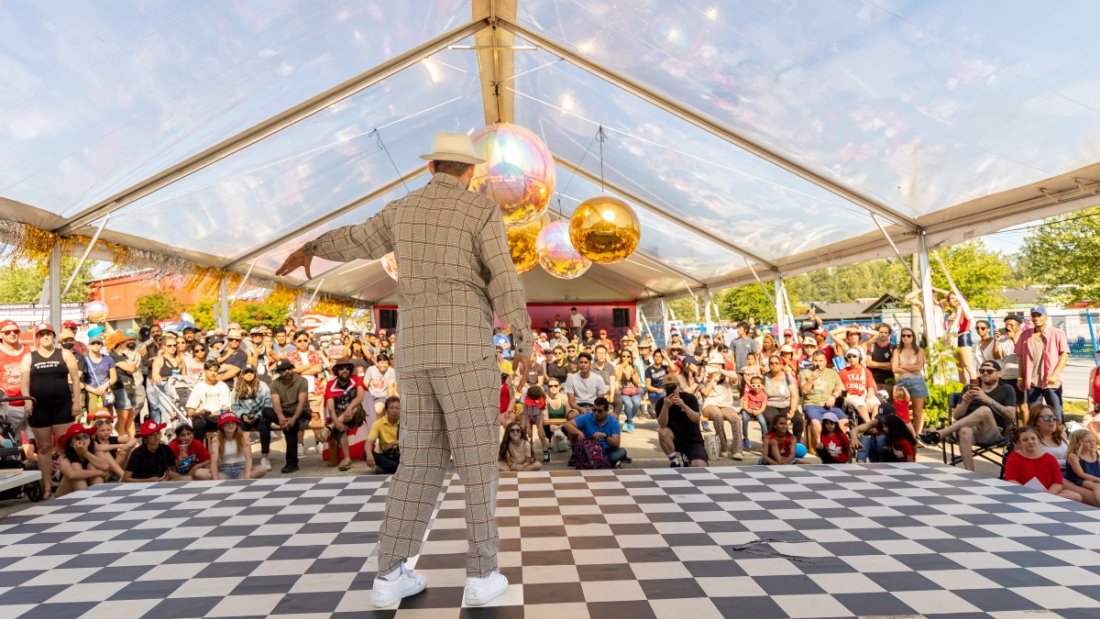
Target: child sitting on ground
pixel 835 445
pixel 779 444
pixel 900 445
pixel 1082 463
pixel 515 451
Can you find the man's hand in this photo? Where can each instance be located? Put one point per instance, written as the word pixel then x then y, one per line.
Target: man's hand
pixel 599 435
pixel 297 259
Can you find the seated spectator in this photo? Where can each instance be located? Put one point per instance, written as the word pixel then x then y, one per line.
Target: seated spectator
pixel 584 386
pixel 779 444
pixel 208 399
pixel 153 461
pixel 600 426
pixel 1030 465
pixel 516 451
pixel 678 427
pixel 870 437
pixel 859 385
pixel 899 446
pixel 655 375
pixel 753 404
pixel 191 457
pixel 232 457
pixel 387 457
pixel 557 406
pixel 533 412
pixel 820 386
pixel 1083 465
pixel 252 405
pixel 751 367
pixel 80 465
pixel 984 410
pixel 343 407
pixel 834 446
pixel 105 442
pixel 717 392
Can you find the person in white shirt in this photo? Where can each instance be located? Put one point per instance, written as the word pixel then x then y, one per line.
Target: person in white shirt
pixel 583 387
pixel 207 400
pixel 576 322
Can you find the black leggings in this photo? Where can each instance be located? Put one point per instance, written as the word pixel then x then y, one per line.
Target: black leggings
pixel 262 424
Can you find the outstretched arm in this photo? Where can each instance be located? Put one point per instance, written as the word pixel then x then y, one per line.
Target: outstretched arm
pixel 369 240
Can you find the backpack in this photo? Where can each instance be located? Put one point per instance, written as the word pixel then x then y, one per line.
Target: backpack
pixel 588 454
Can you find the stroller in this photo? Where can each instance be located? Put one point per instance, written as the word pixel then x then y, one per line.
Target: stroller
pixel 21 479
pixel 167 400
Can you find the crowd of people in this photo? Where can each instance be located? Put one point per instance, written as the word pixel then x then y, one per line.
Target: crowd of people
pixel 850 394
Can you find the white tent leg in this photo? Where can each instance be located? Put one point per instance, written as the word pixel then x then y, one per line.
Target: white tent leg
pixel 53 285
pixel 931 331
pixel 780 311
pixel 223 305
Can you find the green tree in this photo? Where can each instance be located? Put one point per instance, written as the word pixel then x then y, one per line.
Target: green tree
pixel 203 314
pixel 685 309
pixel 841 284
pixel 248 314
pixel 159 305
pixel 750 300
pixel 1066 250
pixel 980 274
pixel 22 283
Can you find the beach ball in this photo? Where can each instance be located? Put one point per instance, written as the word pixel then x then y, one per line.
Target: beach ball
pixel 96 311
pixel 605 229
pixel 389 265
pixel 556 253
pixel 521 243
pixel 518 173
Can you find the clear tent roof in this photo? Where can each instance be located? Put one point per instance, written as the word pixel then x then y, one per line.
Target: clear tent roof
pixel 753 138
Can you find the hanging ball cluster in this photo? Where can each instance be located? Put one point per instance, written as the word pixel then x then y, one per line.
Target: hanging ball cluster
pixel 556 253
pixel 521 243
pixel 605 229
pixel 518 174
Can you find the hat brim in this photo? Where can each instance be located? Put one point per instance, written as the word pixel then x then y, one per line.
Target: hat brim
pixel 456 157
pixel 142 433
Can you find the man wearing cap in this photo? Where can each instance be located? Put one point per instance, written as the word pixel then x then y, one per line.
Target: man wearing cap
pixel 12 352
pixel 456 272
pixel 1004 353
pixel 290 403
pixel 984 413
pixel 558 339
pixel 1044 352
pixel 125 389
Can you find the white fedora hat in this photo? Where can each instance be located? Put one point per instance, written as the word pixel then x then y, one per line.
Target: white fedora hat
pixel 453 147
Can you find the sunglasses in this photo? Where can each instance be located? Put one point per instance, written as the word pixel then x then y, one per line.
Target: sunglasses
pixel 10 332
pixel 553 385
pixel 1046 418
pixel 95 343
pixel 171 345
pixel 199 349
pixel 907 335
pixel 986 371
pixel 301 340
pixel 102 422
pixel 851 356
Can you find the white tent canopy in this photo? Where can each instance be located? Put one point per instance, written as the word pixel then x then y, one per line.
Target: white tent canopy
pixel 755 139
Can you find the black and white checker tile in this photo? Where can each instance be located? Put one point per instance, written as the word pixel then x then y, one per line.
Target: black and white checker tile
pixel 860 540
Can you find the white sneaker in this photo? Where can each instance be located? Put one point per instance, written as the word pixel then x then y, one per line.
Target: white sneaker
pixel 481 591
pixel 389 592
pixel 264 462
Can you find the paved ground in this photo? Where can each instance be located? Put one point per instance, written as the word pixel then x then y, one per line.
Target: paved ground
pixel 641 445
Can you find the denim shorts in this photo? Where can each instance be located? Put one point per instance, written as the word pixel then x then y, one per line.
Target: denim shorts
pixel 966 339
pixel 915 384
pixel 231 470
pixel 122 399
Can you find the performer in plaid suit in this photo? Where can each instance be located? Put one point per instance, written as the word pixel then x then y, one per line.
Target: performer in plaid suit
pixel 455 273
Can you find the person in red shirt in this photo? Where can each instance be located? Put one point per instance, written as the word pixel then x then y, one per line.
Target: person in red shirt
pixel 344 406
pixel 859 385
pixel 779 444
pixel 900 445
pixel 1028 461
pixel 834 446
pixel 192 457
pixel 12 352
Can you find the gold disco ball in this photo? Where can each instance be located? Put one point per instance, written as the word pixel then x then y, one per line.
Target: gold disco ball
pixel 518 173
pixel 556 253
pixel 521 243
pixel 605 229
pixel 389 265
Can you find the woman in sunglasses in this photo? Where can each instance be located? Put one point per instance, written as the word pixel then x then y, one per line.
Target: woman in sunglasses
pixel 1054 440
pixel 516 451
pixel 105 442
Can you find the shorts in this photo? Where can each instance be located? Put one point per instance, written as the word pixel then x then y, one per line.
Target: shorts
pixel 816 413
pixel 915 384
pixel 991 436
pixel 693 451
pixel 231 470
pixel 122 399
pixel 47 413
pixel 966 339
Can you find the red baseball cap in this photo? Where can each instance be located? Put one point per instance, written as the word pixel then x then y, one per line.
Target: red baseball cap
pixel 150 427
pixel 225 418
pixel 787 332
pixel 5 325
pixel 74 430
pixel 43 326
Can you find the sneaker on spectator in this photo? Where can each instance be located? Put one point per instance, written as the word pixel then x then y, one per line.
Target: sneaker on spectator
pixel 399 584
pixel 737 455
pixel 628 427
pixel 481 591
pixel 723 452
pixel 264 462
pixel 745 444
pixel 290 468
pixel 546 457
pixel 930 437
pixel 706 426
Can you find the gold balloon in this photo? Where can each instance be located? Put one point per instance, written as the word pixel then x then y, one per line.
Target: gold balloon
pixel 518 173
pixel 556 253
pixel 605 229
pixel 521 243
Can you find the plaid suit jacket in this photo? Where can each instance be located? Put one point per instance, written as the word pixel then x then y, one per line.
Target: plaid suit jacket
pixel 455 267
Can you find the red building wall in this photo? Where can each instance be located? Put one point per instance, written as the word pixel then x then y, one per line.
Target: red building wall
pixel 122 293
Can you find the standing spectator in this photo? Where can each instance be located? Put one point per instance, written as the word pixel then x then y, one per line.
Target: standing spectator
pixel 718 399
pixel 503 342
pixel 1091 419
pixel 983 349
pixel 290 401
pixel 577 321
pixel 810 324
pixel 753 404
pixel 125 387
pixel 98 371
pixel 309 365
pixel 50 375
pixel 678 427
pixel 782 390
pixel 384 434
pixel 880 354
pixel 959 324
pixel 1044 352
pixel 12 352
pixel 908 363
pixel 1005 354
pixel 821 336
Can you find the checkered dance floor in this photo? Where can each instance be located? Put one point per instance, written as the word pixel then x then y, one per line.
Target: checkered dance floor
pixel 861 540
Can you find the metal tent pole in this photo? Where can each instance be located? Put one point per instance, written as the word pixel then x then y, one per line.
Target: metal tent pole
pixel 223 304
pixel 53 285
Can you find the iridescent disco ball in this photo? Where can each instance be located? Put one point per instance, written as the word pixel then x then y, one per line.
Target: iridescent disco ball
pixel 389 265
pixel 518 173
pixel 556 253
pixel 521 243
pixel 96 311
pixel 605 229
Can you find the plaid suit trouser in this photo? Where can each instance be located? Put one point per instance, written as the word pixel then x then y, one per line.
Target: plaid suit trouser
pixel 445 411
